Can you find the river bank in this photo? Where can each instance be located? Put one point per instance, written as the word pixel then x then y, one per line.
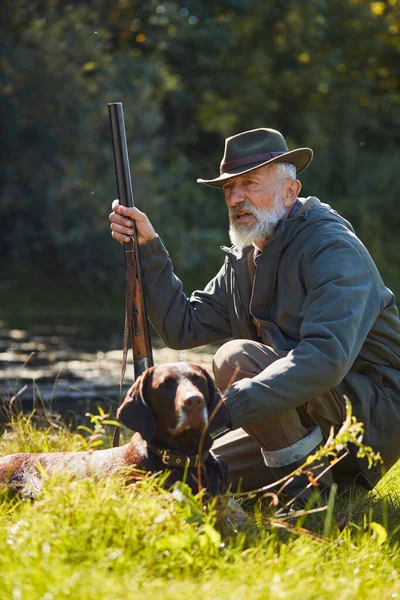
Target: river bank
pixel 71 367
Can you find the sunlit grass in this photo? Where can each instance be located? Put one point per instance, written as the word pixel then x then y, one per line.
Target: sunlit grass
pixel 102 539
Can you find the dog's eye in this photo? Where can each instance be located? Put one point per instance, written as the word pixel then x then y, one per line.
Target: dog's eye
pixel 198 379
pixel 168 382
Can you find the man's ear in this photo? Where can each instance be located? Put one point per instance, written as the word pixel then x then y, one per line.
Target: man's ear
pixel 134 412
pixel 213 394
pixel 292 191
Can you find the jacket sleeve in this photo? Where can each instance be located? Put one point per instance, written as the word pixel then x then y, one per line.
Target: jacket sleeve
pixel 341 304
pixel 180 321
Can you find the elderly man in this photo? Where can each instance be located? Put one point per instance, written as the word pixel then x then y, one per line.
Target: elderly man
pixel 308 317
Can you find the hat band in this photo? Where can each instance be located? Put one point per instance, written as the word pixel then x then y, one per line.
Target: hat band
pixel 248 160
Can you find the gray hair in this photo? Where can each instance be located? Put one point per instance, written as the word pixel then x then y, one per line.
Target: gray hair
pixel 285 170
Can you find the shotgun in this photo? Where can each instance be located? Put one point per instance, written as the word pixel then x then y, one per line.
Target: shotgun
pixel 136 323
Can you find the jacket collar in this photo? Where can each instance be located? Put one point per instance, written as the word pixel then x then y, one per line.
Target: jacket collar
pixel 268 259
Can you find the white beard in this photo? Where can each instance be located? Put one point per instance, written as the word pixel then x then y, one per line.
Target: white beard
pixel 243 235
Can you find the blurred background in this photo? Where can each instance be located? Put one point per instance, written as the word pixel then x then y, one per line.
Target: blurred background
pixel 189 73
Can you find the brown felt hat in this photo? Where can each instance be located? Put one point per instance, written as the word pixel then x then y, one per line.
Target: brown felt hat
pixel 255 148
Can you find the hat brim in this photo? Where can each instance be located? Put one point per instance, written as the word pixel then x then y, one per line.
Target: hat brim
pixel 300 158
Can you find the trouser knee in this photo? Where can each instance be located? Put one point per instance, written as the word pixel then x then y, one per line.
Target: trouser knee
pixel 241 358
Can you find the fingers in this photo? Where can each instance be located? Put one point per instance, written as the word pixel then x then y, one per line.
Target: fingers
pixel 124 214
pixel 122 239
pixel 121 227
pixel 121 219
pixel 120 233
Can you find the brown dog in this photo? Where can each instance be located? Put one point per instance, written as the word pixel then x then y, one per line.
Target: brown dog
pixel 167 407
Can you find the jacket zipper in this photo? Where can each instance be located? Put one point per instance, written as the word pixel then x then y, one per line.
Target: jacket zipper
pixel 233 277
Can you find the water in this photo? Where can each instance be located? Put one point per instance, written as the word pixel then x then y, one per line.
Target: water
pixel 71 368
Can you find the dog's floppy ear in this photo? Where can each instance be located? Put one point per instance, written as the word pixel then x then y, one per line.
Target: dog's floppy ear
pixel 213 395
pixel 134 412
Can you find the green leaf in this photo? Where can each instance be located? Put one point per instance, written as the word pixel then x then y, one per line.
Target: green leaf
pixel 89 66
pixel 213 535
pixel 380 533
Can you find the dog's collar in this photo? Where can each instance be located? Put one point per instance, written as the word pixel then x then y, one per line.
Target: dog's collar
pixel 177 460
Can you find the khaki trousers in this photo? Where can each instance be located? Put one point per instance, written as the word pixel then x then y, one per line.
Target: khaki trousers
pixel 241 449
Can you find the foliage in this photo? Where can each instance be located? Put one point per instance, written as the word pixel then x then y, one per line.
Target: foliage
pixel 58 77
pixel 325 73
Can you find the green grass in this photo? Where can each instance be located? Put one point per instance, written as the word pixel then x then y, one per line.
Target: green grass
pixel 104 540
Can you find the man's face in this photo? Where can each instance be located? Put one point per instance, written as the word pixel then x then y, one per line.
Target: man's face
pixel 256 202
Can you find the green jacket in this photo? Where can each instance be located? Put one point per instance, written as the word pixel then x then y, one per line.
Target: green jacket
pixel 317 294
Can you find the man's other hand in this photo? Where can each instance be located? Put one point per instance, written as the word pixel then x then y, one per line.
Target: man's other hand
pixel 121 224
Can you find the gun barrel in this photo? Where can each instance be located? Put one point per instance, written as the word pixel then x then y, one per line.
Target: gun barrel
pixel 126 198
pixel 121 155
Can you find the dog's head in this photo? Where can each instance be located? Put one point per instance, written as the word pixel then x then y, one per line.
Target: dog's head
pixel 168 401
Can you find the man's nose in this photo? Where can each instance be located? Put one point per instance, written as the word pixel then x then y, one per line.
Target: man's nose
pixel 234 196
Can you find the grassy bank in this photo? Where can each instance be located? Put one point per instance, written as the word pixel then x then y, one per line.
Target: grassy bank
pixel 87 540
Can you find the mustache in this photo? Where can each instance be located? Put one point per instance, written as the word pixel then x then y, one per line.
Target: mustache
pixel 242 207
